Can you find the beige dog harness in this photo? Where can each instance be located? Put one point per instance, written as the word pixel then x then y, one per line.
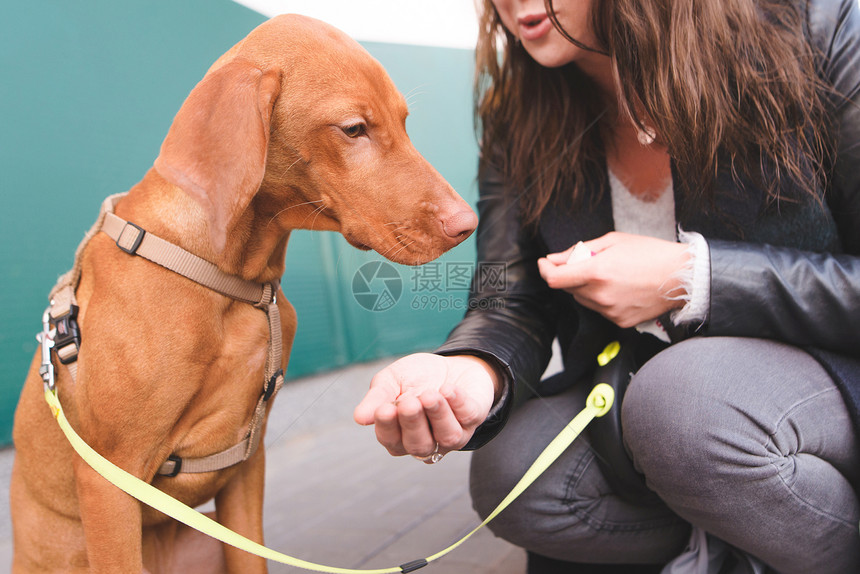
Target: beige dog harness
pixel 61 332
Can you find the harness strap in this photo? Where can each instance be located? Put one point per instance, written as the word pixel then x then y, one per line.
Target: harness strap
pixel 243 450
pixel 134 240
pixel 61 297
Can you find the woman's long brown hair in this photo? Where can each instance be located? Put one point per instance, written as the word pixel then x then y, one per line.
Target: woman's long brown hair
pixel 730 81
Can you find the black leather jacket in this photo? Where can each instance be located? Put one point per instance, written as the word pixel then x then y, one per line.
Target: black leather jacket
pixel 791 274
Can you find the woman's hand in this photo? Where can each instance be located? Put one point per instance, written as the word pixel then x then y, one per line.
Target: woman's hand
pixel 628 279
pixel 425 400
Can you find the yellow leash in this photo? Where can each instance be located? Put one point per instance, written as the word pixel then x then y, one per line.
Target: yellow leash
pixel 598 403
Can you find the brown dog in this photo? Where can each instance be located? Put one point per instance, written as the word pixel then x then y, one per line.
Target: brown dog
pixel 295 127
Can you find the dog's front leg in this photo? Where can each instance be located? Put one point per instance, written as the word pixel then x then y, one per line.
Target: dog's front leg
pixel 111 521
pixel 239 507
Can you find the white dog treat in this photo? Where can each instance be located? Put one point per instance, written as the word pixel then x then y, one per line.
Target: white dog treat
pixel 580 253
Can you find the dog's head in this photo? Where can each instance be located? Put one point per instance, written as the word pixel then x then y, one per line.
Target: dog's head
pixel 299 124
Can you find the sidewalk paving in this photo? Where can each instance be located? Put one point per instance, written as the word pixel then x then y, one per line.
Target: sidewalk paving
pixel 335 496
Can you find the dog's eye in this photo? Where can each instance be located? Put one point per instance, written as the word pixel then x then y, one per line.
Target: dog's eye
pixel 355 130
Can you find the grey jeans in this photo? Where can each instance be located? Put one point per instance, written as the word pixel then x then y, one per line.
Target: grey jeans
pixel 748 439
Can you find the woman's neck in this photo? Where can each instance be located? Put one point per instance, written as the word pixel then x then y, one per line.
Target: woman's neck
pixel 638 161
pixel 645 169
pixel 599 69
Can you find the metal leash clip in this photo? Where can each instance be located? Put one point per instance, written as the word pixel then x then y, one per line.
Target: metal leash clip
pixel 46 339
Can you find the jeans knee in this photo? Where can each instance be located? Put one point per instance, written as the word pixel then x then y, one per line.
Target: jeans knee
pixel 670 422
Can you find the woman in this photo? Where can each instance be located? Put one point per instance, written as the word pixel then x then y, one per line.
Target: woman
pixel 708 156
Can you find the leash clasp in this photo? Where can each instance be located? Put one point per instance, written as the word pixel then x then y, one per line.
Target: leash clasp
pixel 46 339
pixel 64 339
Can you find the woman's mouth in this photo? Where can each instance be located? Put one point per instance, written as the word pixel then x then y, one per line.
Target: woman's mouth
pixel 534 26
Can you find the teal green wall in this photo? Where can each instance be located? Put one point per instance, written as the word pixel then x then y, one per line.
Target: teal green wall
pixel 88 91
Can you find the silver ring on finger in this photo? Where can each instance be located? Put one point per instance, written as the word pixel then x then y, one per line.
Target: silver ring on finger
pixel 431 458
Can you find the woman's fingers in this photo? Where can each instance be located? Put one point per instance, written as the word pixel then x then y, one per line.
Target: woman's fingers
pixel 378 395
pixel 574 254
pixel 562 276
pixel 466 410
pixel 416 435
pixel 403 427
pixel 424 400
pixel 387 426
pixel 415 425
pixel 447 430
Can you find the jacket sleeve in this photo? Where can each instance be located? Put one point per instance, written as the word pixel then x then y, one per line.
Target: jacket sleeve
pixel 510 320
pixel 804 298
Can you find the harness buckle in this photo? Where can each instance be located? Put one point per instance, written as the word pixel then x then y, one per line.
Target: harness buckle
pixel 67 333
pixel 132 250
pixel 272 384
pixel 177 466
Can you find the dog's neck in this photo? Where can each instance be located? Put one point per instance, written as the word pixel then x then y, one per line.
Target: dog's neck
pixel 256 245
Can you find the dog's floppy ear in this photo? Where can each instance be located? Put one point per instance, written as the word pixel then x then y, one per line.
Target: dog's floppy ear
pixel 216 148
